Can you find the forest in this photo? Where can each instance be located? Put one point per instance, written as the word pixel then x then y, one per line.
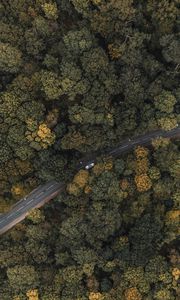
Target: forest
pixel 76 77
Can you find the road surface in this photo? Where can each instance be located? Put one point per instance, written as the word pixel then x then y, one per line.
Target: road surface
pixel 89 161
pixel 35 199
pixel 48 191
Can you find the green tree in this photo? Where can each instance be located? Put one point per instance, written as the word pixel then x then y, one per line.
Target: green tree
pixel 10 58
pixel 22 277
pixel 165 102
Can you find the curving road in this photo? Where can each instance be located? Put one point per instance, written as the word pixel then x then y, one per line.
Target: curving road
pixel 127 145
pixel 43 193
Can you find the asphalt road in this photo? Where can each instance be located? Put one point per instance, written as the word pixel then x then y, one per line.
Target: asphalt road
pixel 89 160
pixel 43 193
pixel 35 199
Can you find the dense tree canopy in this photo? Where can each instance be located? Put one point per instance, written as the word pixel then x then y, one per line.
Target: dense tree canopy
pixel 78 76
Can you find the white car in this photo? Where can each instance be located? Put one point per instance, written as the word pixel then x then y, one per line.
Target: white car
pixel 91 165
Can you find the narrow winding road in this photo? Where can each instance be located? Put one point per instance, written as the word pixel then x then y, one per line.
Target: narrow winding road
pixel 43 193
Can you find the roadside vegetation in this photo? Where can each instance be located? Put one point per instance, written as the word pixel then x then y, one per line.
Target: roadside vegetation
pixel 79 76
